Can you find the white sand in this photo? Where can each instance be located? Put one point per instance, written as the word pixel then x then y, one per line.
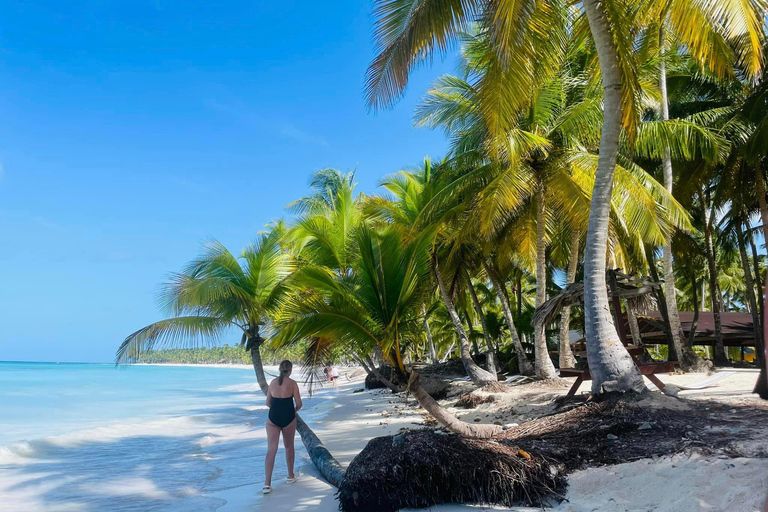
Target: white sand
pixel 675 484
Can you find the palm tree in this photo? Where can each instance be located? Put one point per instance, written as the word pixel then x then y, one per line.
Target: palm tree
pixel 377 304
pixel 546 172
pixel 218 292
pixel 410 213
pixel 407 35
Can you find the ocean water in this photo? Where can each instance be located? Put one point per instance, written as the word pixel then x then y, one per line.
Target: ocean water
pixel 92 437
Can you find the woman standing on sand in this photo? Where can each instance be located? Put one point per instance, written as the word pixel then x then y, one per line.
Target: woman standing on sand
pixel 283 391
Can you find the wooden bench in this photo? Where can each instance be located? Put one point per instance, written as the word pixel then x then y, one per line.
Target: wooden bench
pixel 647 369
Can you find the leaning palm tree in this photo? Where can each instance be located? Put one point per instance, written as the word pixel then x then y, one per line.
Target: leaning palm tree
pixel 378 304
pixel 217 293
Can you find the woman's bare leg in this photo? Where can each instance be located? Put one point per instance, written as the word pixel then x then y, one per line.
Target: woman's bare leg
pixel 289 433
pixel 273 439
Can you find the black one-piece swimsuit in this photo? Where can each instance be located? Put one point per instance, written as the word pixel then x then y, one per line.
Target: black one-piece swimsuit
pixel 282 411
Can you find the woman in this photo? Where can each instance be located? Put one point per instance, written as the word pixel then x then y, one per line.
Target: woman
pixel 335 376
pixel 283 391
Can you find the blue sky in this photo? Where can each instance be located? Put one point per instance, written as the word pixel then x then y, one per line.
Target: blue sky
pixel 133 131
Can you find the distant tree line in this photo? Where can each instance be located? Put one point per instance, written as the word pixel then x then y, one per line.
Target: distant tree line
pixel 224 354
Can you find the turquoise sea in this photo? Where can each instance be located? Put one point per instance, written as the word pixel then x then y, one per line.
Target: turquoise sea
pixel 93 437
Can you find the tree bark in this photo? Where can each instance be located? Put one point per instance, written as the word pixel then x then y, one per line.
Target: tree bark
pixel 448 420
pixel 750 286
pixel 325 463
pixel 758 279
pixel 490 355
pixel 363 364
pixel 566 354
pixel 686 357
pixel 388 383
pixel 695 322
pixel 259 368
pixel 432 351
pixel 610 365
pixel 714 287
pixel 479 376
pixel 448 352
pixel 545 369
pixel 634 327
pixel 761 387
pixel 524 365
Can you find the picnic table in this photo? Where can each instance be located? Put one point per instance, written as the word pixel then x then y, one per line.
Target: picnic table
pixel 647 369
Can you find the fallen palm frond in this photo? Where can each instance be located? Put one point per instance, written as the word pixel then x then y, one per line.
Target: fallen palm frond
pixel 423 468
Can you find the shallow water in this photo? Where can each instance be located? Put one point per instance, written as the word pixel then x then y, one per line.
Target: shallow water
pixel 82 437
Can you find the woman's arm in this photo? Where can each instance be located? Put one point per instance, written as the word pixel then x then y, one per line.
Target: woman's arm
pixel 297 396
pixel 269 397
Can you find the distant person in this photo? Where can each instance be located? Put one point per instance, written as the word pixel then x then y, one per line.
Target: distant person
pixel 283 391
pixel 335 376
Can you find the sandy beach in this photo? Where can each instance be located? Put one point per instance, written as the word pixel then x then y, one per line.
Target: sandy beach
pixel 679 483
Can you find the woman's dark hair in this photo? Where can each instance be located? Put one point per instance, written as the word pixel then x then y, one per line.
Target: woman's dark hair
pixel 285 370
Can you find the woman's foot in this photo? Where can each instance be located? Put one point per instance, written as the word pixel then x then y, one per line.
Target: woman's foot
pixel 267 489
pixel 292 479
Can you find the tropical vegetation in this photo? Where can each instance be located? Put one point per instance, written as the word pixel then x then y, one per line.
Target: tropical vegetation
pixel 582 137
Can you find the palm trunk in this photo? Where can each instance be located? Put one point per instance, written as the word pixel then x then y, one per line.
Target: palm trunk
pixel 545 369
pixel 610 365
pixel 688 358
pixel 750 286
pixel 761 387
pixel 363 364
pixel 490 355
pixel 448 420
pixel 448 352
pixel 695 322
pixel 566 354
pixel 388 383
pixel 758 280
pixel 258 367
pixel 472 336
pixel 634 327
pixel 325 463
pixel 714 288
pixel 524 365
pixel 432 351
pixel 479 376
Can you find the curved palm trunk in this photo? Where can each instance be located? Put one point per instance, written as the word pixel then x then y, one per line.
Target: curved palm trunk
pixel 610 364
pixel 714 287
pixel 545 369
pixel 524 365
pixel 388 383
pixel 479 376
pixel 490 354
pixel 328 466
pixel 447 419
pixel 566 354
